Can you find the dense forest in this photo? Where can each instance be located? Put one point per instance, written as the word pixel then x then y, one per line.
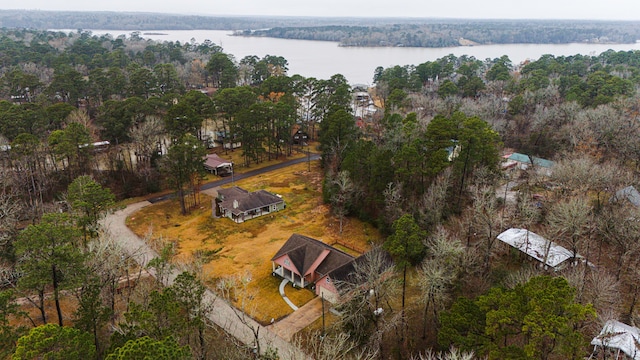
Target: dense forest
pixel 351 31
pixel 470 32
pixel 424 166
pixel 105 20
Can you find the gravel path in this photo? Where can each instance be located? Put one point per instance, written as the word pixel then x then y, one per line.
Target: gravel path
pixel 224 315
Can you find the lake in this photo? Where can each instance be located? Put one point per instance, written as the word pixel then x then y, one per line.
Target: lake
pixel 322 59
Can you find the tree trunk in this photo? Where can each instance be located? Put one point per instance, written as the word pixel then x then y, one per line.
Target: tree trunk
pixel 464 174
pixel 404 288
pixel 632 307
pixel 424 320
pixel 203 345
pixel 182 204
pixel 43 314
pixel 56 294
pixel 96 341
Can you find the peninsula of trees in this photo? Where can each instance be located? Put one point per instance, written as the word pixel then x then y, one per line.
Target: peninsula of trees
pixel 444 33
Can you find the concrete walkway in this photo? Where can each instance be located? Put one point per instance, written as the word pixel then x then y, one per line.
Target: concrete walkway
pixel 299 319
pixel 284 296
pixel 232 320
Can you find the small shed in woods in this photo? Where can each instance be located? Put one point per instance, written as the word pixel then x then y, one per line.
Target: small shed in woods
pixel 548 253
pixel 614 338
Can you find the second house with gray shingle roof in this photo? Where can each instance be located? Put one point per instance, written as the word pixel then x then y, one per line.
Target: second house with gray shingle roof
pixel 240 205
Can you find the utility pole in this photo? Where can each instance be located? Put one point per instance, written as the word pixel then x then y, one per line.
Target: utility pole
pixel 322 296
pixel 309 155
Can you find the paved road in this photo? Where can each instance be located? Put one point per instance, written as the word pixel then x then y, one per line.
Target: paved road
pixel 223 314
pixel 240 176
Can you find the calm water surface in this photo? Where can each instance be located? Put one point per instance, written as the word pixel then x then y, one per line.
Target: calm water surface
pixel 322 59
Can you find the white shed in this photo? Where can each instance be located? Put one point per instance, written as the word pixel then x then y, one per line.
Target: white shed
pixel 547 252
pixel 618 337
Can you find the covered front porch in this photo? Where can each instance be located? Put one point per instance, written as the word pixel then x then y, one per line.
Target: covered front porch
pixel 287 274
pixel 251 214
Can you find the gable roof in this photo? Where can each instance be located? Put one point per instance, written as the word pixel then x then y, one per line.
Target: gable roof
pixel 304 251
pixel 344 272
pixel 536 246
pixel 527 160
pixel 617 335
pixel 238 200
pixel 231 192
pixel 214 161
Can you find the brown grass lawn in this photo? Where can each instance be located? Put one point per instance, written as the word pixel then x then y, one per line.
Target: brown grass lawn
pixel 229 249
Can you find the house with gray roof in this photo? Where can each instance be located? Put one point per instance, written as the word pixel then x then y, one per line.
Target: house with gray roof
pixel 240 205
pixel 308 262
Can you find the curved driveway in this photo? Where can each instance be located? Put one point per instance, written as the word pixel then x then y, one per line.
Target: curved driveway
pixel 232 320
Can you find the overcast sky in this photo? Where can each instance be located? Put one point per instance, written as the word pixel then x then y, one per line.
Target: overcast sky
pixel 491 9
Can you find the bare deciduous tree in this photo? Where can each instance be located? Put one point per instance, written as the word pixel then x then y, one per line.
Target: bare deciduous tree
pixel 236 289
pixel 438 274
pixel 526 212
pixel 114 268
pixel 81 117
pixel 335 346
pixel 570 222
pixel 393 202
pixel 344 192
pixel 521 277
pixel 486 219
pixel 147 137
pixel 434 201
pixel 596 286
pixel 10 209
pixel 618 226
pixel 366 297
pixel 452 354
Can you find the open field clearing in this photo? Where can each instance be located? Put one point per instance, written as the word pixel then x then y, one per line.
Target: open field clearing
pixel 243 251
